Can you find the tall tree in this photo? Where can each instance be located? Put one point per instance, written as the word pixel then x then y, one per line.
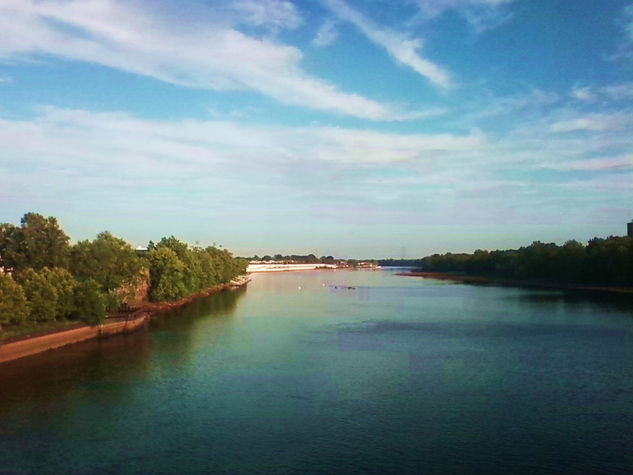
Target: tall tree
pixel 166 275
pixel 38 242
pixel 108 260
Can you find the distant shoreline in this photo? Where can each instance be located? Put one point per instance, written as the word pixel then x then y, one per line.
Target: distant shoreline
pixel 479 279
pixel 302 268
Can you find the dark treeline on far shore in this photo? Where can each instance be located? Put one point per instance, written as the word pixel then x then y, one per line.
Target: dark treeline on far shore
pixel 400 262
pixel 601 262
pixel 43 278
pixel 295 259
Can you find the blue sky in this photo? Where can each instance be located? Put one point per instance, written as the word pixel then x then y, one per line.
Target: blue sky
pixel 376 128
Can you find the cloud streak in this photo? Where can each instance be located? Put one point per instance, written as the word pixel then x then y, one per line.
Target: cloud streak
pixel 480 14
pixel 202 55
pixel 399 46
pixel 326 34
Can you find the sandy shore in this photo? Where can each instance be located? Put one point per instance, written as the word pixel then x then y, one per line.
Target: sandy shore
pixel 19 347
pixel 477 279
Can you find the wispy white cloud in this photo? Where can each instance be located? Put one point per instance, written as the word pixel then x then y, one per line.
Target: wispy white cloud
pixel 79 138
pixel 584 94
pixel 624 162
pixel 6 80
pixel 624 48
pixel 502 105
pixel 399 45
pixel 326 34
pixel 618 92
pixel 114 161
pixel 436 7
pixel 201 55
pixel 613 92
pixel 480 14
pixel 276 13
pixel 596 122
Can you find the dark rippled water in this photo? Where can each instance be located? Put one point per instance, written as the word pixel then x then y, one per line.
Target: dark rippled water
pixel 299 375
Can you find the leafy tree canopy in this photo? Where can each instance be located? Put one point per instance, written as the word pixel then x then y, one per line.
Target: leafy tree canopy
pixel 90 302
pixel 38 242
pixel 13 305
pixel 166 275
pixel 41 295
pixel 108 260
pixel 65 286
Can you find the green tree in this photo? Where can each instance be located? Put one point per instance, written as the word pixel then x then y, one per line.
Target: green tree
pixel 180 248
pixel 166 275
pixel 90 302
pixel 41 295
pixel 13 304
pixel 38 242
pixel 65 285
pixel 108 260
pixel 208 275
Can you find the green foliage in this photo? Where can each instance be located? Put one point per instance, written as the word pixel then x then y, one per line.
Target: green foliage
pixel 65 286
pixel 39 242
pixel 180 248
pixel 41 295
pixel 176 270
pixel 108 260
pixel 90 302
pixel 601 262
pixel 166 275
pixel 55 281
pixel 112 301
pixel 13 304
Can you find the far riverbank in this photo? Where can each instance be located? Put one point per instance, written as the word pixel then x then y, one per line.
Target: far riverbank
pixel 478 279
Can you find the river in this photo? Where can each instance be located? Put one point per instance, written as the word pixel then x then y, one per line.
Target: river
pixel 337 372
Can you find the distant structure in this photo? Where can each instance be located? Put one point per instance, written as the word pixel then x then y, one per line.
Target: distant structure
pixel 629 229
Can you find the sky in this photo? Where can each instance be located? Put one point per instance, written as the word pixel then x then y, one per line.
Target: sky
pixel 374 128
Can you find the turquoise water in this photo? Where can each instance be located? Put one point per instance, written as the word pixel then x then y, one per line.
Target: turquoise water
pixel 296 374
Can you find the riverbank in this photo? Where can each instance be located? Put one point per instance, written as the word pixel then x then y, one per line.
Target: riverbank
pixel 478 279
pixel 27 345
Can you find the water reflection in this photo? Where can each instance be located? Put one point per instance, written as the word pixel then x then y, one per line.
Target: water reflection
pixel 386 374
pixel 180 334
pixel 578 299
pixel 64 374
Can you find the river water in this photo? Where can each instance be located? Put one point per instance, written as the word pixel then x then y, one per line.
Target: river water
pixel 337 372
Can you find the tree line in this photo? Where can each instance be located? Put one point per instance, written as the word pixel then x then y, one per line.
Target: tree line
pixel 44 278
pixel 601 261
pixel 296 259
